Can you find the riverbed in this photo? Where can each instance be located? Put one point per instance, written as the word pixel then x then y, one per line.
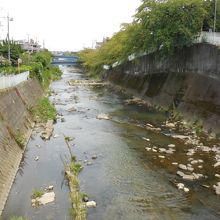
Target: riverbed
pixel 126 180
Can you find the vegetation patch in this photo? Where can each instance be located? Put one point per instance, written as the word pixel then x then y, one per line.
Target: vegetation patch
pixel 44 110
pixel 78 210
pixel 17 218
pixel 20 140
pixel 37 193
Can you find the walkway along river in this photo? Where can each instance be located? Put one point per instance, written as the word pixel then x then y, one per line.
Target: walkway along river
pixel 131 179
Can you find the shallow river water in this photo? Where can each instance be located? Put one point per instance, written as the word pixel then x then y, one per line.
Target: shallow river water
pixel 125 180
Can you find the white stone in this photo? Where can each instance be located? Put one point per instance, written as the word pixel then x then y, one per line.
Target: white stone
pixel 217 175
pixel 103 116
pixel 161 156
pixel 171 145
pixel 180 186
pixel 149 125
pixel 91 204
pixel 189 177
pixel 71 109
pixel 170 151
pixel 148 148
pixel 217 164
pixel 146 139
pixel 206 149
pixel 197 175
pixel 56 136
pixel 36 158
pixel 175 163
pixel 44 199
pixel 186 189
pixel 217 188
pixel 182 166
pixel 194 162
pixel 170 125
pixel 190 169
pixel 50 187
pixel 89 163
pixel 182 137
pixel 180 173
pixel 184 176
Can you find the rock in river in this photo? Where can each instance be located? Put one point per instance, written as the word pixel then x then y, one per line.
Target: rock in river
pixel 103 116
pixel 171 145
pixel 217 188
pixel 44 199
pixel 182 166
pixel 47 133
pixel 94 157
pixel 91 204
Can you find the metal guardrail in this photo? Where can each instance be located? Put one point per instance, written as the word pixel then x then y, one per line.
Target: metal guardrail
pixel 9 81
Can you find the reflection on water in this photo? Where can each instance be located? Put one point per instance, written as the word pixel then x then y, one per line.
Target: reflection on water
pixel 125 180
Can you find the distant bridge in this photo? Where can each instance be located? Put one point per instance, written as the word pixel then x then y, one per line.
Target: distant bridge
pixel 61 59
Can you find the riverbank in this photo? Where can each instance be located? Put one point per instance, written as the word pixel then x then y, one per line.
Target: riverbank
pixel 185 84
pixel 15 129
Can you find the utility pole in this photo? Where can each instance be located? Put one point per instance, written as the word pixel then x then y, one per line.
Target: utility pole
pixel 9 52
pixel 8 35
pixel 215 15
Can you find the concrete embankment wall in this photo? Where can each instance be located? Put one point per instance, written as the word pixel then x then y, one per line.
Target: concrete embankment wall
pixel 188 82
pixel 15 121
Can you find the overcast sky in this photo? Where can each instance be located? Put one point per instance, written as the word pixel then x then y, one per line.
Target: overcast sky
pixel 65 24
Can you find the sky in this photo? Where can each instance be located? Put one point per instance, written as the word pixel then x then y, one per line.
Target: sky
pixel 68 25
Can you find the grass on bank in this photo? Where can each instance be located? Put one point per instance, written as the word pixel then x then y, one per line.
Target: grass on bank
pixel 44 110
pixel 20 140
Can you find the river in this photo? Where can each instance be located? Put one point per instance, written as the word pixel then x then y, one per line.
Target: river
pixel 126 181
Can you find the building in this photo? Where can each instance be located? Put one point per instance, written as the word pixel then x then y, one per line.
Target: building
pixel 30 46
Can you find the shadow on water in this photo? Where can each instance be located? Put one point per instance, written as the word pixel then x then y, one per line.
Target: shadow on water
pixel 125 180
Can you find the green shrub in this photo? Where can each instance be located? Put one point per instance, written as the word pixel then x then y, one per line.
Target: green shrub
pixel 44 110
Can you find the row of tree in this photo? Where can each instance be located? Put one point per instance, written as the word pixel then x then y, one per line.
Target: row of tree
pixel 162 25
pixel 15 51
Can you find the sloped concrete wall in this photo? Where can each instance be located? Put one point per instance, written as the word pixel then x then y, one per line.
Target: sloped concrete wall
pixel 14 119
pixel 188 81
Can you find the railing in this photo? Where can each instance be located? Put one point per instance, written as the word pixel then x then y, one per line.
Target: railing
pixel 13 80
pixel 209 37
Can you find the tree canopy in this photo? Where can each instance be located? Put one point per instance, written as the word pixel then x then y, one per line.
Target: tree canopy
pixel 159 25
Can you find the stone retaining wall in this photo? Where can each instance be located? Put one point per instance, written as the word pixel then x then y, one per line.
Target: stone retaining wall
pixel 14 120
pixel 188 82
